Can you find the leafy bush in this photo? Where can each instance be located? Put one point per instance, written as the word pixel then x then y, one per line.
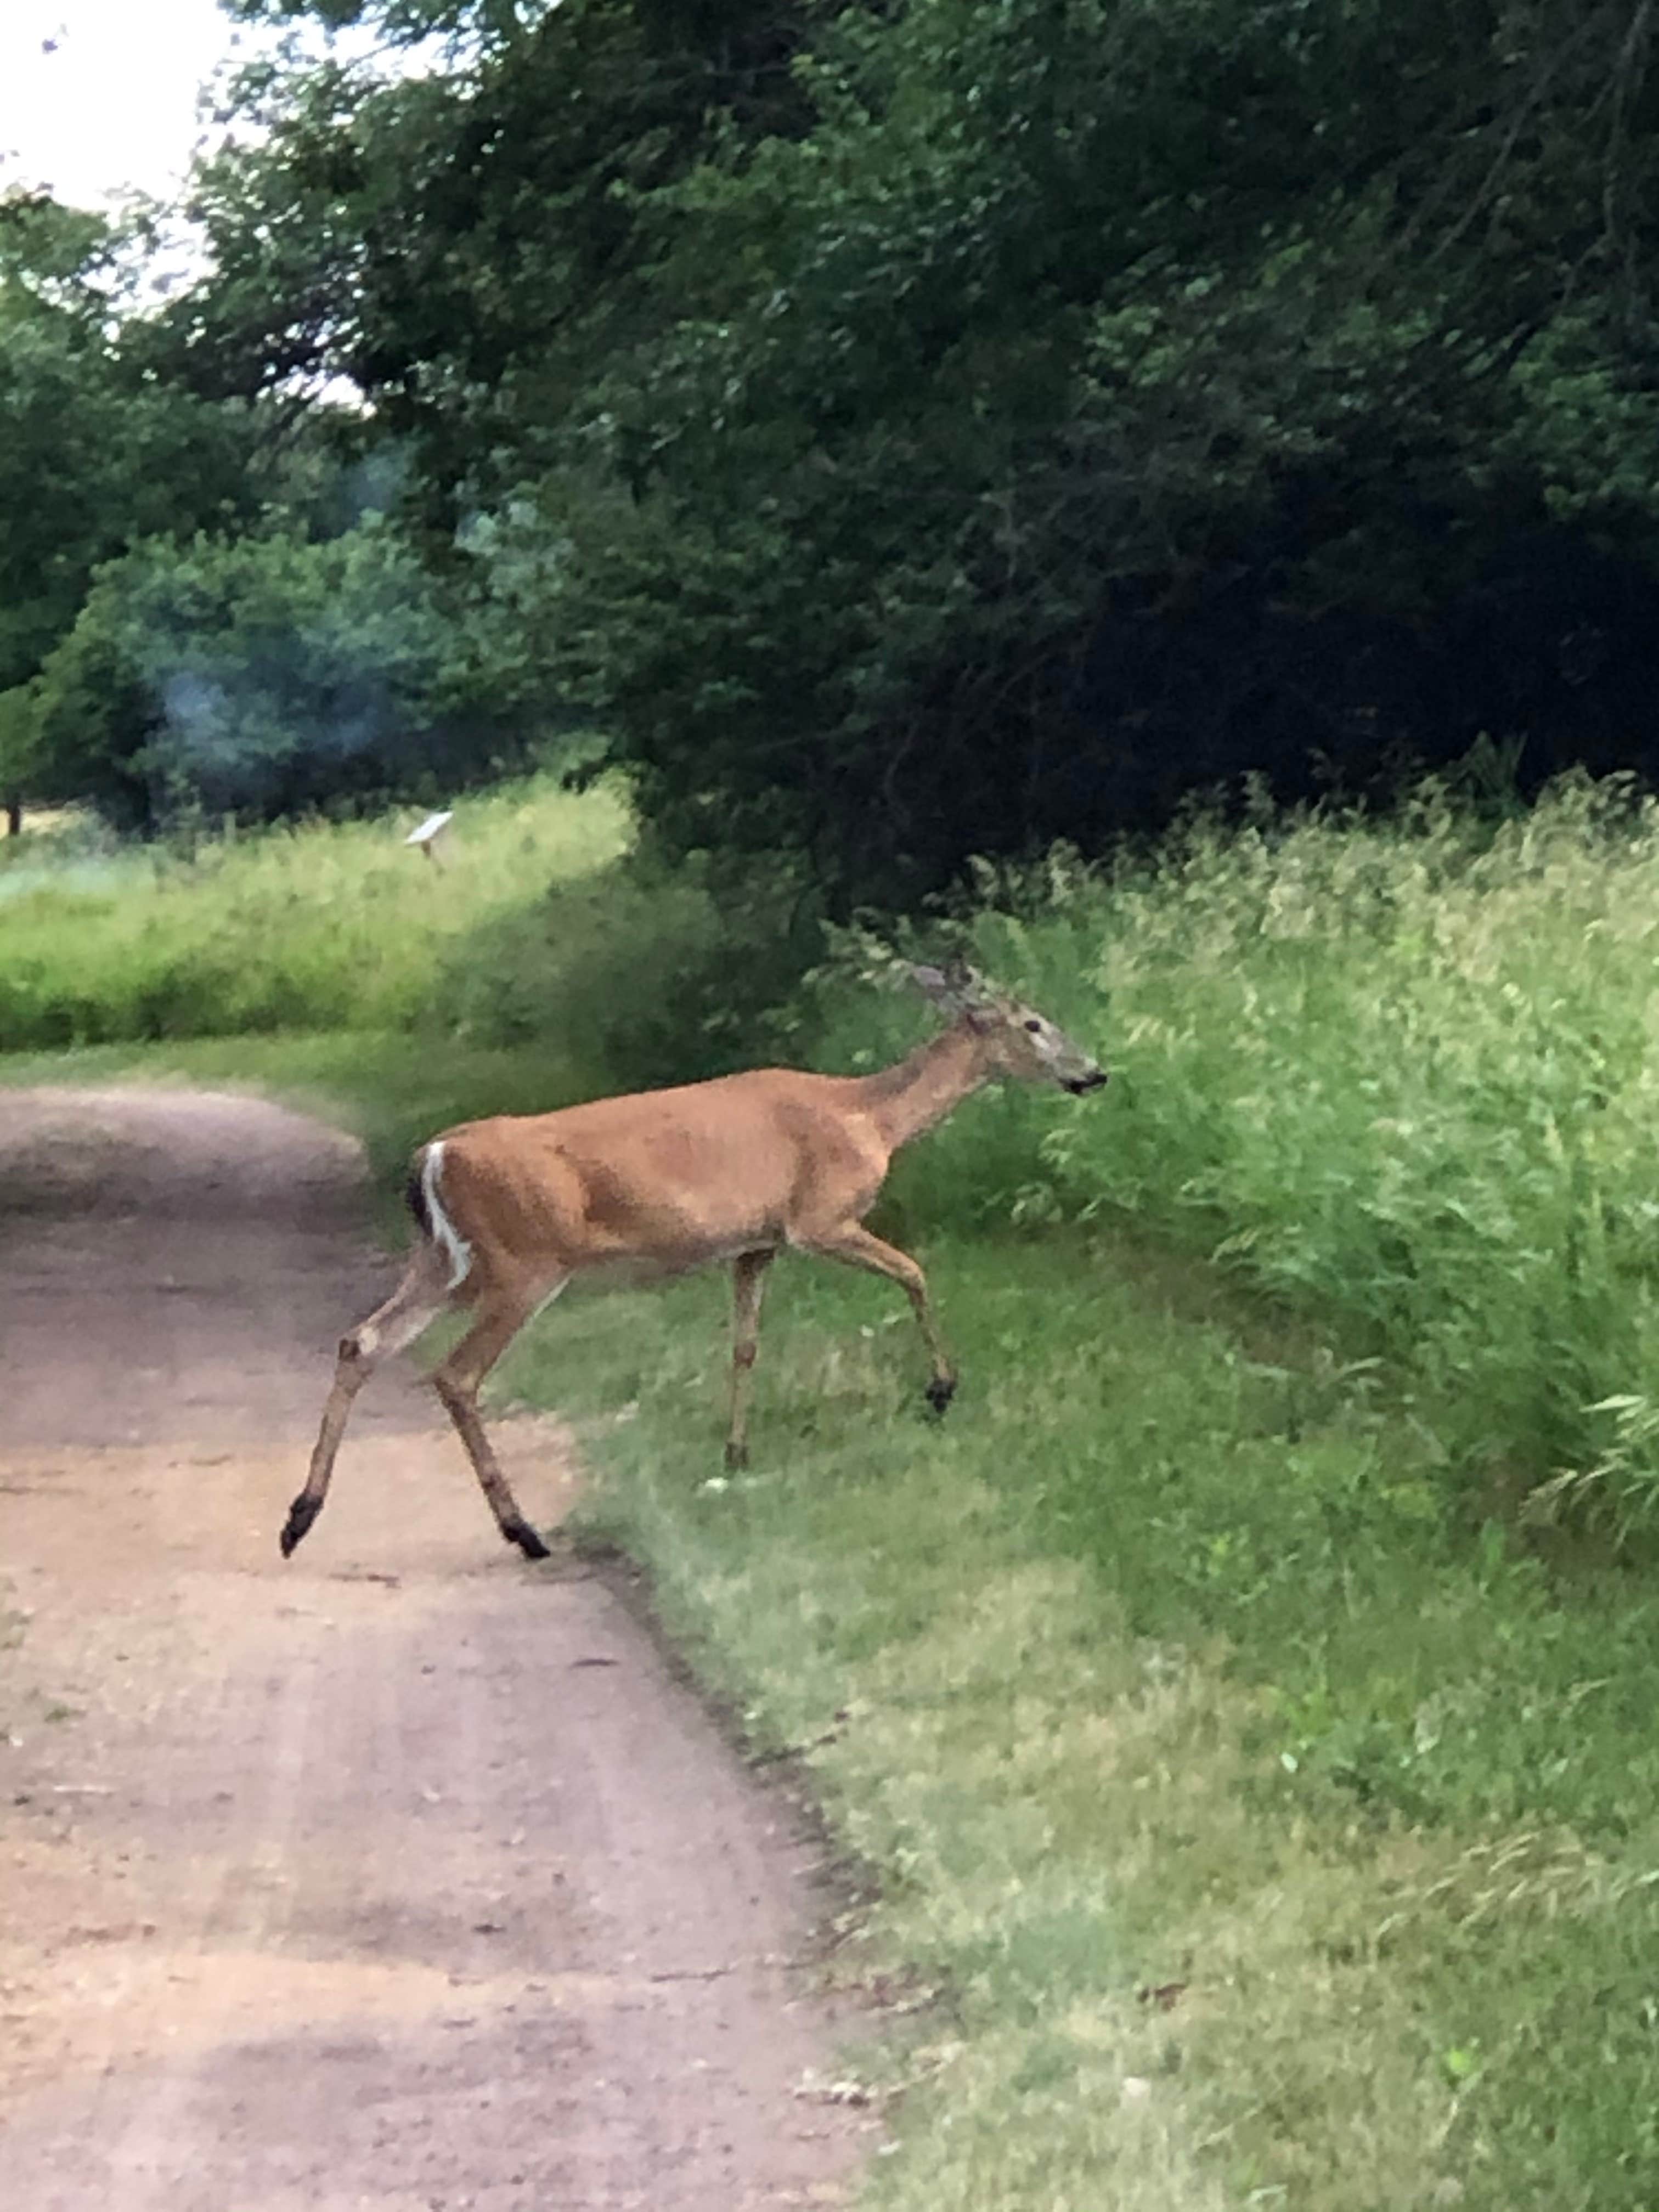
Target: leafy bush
pixel 266 676
pixel 645 973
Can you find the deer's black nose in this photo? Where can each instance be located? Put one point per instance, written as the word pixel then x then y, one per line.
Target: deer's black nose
pixel 1096 1079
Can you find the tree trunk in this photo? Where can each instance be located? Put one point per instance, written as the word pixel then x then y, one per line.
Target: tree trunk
pixel 14 817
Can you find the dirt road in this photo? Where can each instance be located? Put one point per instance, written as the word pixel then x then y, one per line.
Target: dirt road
pixel 402 1875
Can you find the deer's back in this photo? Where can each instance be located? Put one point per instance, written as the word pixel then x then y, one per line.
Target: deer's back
pixel 701 1171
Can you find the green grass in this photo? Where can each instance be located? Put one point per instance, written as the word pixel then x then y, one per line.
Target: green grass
pixel 1157 1665
pixel 329 925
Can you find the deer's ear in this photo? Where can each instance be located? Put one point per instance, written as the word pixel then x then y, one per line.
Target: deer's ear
pixel 955 986
pixel 968 987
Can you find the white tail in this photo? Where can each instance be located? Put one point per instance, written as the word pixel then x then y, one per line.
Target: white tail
pixel 733 1169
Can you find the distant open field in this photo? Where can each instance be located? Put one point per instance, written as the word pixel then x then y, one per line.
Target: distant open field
pixel 328 926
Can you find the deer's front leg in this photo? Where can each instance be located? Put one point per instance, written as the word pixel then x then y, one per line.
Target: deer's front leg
pixel 854 1244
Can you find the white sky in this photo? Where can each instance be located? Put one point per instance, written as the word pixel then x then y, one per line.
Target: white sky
pixel 114 106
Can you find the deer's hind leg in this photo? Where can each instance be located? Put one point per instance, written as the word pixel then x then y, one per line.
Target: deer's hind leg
pixel 502 1311
pixel 748 1282
pixel 419 1298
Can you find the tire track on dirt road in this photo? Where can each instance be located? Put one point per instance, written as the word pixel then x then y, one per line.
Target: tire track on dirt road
pixel 404 1875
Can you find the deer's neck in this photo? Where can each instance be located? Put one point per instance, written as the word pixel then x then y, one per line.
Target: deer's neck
pixel 916 1094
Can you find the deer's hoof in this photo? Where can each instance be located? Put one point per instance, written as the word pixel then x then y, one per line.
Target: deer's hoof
pixel 300 1515
pixel 521 1534
pixel 940 1391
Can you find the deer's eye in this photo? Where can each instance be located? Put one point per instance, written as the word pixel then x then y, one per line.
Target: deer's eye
pixel 1035 1027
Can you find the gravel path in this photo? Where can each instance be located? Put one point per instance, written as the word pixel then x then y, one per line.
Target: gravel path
pixel 402 1875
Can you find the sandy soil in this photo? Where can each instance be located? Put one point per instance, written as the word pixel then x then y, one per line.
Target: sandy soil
pixel 404 1875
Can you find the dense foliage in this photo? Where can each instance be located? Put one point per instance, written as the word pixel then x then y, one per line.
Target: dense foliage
pixel 916 430
pixel 267 675
pixel 1403 1074
pixel 95 451
pixel 948 427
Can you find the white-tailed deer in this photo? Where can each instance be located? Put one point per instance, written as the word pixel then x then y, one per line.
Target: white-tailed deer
pixel 733 1169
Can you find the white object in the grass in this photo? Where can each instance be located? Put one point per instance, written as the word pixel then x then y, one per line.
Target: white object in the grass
pixel 427 835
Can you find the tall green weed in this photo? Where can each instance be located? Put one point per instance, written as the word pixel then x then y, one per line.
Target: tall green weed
pixel 1404 1074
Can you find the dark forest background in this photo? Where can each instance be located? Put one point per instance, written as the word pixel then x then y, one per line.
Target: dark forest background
pixel 905 431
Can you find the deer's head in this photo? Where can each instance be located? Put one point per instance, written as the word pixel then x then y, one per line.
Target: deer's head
pixel 1017 1040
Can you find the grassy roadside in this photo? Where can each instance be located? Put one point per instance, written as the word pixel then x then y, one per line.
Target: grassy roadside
pixel 1262 1842
pixel 1243 1833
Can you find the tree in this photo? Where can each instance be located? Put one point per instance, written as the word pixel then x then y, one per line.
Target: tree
pixel 470 244
pixel 16 753
pixel 96 452
pixel 945 427
pixel 267 675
